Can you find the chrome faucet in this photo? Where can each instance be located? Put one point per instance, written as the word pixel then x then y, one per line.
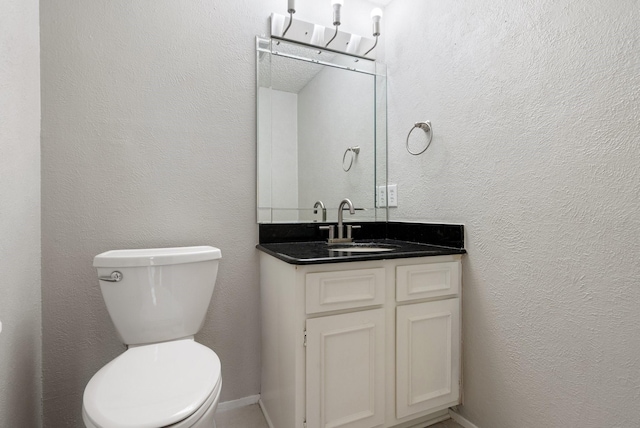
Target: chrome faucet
pixel 352 211
pixel 320 205
pixel 331 228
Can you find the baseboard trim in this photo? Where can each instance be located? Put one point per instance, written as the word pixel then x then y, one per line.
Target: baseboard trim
pixel 241 402
pixel 255 399
pixel 265 414
pixel 460 420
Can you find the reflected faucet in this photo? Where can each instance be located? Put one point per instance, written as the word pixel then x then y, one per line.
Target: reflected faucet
pixel 320 205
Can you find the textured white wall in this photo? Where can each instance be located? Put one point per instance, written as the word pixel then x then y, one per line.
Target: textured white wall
pixel 148 139
pixel 20 339
pixel 536 110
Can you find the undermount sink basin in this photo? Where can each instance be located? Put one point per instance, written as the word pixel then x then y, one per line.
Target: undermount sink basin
pixel 367 247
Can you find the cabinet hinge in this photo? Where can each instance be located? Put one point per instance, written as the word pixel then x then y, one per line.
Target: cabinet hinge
pixel 305 344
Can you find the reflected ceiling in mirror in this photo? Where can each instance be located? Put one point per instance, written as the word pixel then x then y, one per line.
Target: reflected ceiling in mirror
pixel 314 108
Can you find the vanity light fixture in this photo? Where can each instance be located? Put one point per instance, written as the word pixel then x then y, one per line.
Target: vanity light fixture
pixel 376 16
pixel 314 35
pixel 337 5
pixel 291 8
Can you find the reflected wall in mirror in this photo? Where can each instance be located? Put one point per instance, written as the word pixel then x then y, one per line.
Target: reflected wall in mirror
pixel 313 105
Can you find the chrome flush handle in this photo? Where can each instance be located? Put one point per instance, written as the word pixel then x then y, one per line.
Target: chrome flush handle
pixel 114 277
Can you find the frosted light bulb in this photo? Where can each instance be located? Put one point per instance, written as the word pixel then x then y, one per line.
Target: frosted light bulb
pixel 337 4
pixel 376 14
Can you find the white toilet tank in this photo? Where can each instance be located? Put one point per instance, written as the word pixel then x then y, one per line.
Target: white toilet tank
pixel 163 293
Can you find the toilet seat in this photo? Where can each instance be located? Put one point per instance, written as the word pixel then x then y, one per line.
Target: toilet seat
pixel 153 386
pixel 209 406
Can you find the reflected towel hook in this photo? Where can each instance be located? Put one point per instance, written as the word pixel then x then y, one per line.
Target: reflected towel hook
pixel 428 129
pixel 354 152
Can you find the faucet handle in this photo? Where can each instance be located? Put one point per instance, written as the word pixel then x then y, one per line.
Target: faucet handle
pixel 331 229
pixel 350 227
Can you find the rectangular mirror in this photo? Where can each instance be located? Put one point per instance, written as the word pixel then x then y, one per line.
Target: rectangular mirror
pixel 321 133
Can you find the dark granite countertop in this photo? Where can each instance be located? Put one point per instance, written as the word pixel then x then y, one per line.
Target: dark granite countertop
pixel 317 252
pixel 305 243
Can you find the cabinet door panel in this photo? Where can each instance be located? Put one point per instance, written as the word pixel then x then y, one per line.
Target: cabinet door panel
pixel 427 280
pixel 345 370
pixel 428 356
pixel 347 289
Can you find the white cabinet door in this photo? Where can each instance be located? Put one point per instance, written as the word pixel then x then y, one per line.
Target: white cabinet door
pixel 427 356
pixel 345 370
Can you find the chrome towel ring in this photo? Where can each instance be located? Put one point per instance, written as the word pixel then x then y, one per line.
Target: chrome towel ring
pixel 354 152
pixel 428 129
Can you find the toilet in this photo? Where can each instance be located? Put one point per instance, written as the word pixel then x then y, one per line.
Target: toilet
pixel 157 299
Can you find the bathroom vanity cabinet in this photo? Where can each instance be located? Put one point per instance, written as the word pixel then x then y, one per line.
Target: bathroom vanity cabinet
pixel 360 344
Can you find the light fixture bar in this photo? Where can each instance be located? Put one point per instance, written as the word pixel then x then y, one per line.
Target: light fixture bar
pixel 315 35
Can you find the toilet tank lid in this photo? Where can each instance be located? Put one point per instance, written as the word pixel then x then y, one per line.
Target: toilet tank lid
pixel 156 256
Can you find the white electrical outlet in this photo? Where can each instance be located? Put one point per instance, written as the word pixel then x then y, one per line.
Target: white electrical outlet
pixel 392 195
pixel 382 196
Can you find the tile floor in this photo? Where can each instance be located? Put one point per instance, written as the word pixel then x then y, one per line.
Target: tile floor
pixel 251 417
pixel 242 417
pixel 446 424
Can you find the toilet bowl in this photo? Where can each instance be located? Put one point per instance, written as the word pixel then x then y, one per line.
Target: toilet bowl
pixel 164 378
pixel 170 384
